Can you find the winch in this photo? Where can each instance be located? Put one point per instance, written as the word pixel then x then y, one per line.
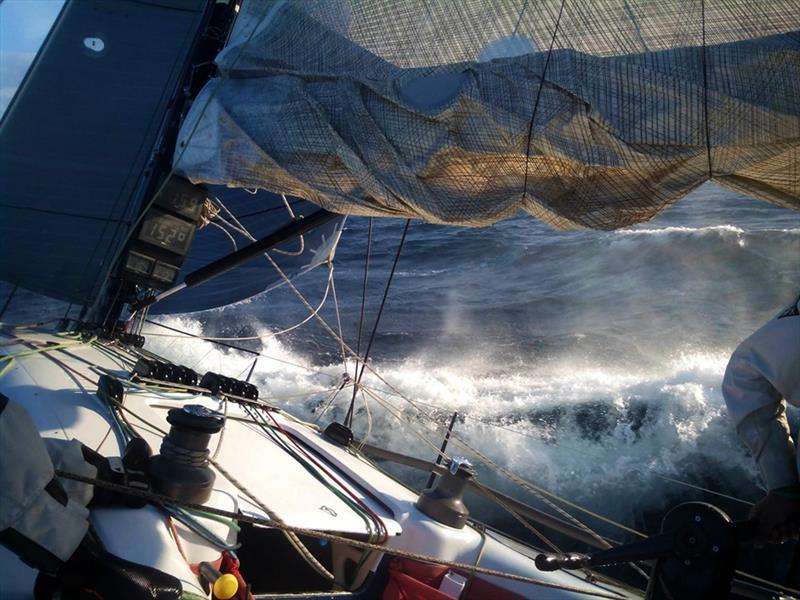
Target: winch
pixel 181 468
pixel 444 502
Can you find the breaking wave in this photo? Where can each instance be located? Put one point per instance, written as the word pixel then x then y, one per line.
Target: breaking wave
pixel 605 438
pixel 588 363
pixel 692 230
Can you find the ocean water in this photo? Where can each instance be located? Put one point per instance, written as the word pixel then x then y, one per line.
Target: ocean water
pixel 588 363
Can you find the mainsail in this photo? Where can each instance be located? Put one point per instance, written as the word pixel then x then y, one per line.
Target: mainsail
pixel 77 139
pixel 85 145
pixel 584 113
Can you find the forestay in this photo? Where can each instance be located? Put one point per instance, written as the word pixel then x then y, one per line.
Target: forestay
pixel 583 113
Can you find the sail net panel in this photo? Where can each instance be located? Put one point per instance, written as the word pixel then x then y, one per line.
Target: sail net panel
pixel 584 113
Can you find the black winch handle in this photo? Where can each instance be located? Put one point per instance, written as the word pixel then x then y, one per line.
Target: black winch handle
pixel 646 549
pixel 657 546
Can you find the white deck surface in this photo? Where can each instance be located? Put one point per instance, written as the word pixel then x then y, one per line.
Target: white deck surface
pixel 264 468
pixel 65 405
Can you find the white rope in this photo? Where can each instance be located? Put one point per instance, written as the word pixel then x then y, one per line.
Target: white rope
pixel 339 327
pixel 486 460
pixel 538 491
pixel 290 535
pixel 226 232
pixel 288 206
pixel 345 380
pixel 392 411
pixel 562 446
pixel 302 238
pixel 265 336
pixel 208 211
pixel 239 227
pixel 222 430
pixel 369 422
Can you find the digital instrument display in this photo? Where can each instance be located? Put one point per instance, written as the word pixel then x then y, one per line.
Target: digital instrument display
pixel 138 263
pixel 165 231
pixel 182 197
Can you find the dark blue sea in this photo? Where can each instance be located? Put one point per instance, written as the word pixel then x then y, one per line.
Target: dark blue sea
pixel 588 363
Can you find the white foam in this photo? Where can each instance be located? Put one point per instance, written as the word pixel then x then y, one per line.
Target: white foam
pixel 677 229
pixel 648 420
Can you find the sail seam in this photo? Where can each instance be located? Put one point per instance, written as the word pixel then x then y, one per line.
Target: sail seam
pixel 538 96
pixel 705 89
pixel 62 214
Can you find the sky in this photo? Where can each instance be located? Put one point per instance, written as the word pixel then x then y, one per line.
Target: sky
pixel 23 26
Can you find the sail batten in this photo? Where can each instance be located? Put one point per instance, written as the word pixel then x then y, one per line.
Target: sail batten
pixel 423 110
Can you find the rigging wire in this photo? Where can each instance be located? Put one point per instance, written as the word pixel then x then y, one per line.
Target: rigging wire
pixel 226 232
pixel 513 513
pixel 383 302
pixel 360 506
pixel 345 380
pixel 332 537
pixel 348 419
pixel 562 446
pixel 339 326
pixel 368 433
pixel 274 523
pixel 241 349
pixel 538 96
pixel 273 518
pixel 536 490
pixel 240 228
pixel 271 334
pixel 302 248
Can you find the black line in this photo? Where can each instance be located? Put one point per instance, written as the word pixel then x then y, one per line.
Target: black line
pixel 200 337
pixel 383 302
pixel 705 90
pixel 266 210
pixel 62 214
pixel 348 419
pixel 538 95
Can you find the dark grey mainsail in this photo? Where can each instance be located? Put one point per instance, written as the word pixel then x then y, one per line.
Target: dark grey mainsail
pixel 86 143
pixel 76 141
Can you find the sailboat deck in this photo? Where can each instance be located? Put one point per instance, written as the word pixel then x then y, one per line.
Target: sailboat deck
pixel 262 470
pixel 58 387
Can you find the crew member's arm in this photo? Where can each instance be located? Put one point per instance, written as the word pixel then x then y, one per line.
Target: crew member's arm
pixel 763 371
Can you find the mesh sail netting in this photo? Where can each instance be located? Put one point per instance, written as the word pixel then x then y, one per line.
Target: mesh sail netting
pixel 584 113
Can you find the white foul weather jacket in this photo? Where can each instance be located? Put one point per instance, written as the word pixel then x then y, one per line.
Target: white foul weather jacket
pixel 42 518
pixel 763 372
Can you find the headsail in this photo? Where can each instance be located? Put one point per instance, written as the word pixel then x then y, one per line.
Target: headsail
pixel 583 113
pixel 259 214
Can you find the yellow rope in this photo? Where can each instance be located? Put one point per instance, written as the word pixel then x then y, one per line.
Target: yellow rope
pixel 11 359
